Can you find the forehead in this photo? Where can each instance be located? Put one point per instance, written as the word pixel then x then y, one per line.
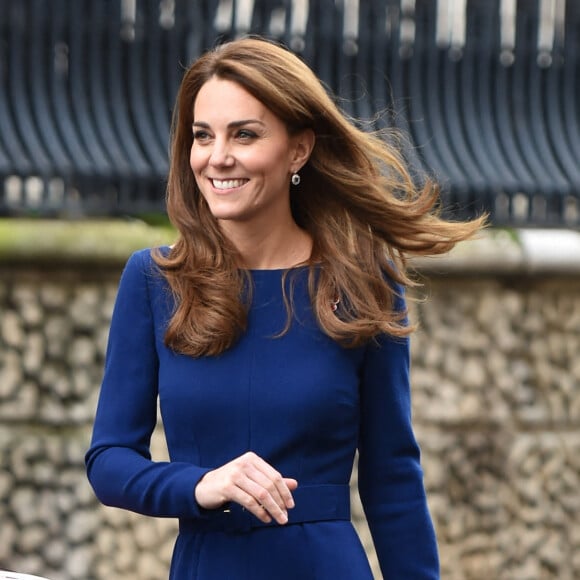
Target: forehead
pixel 221 98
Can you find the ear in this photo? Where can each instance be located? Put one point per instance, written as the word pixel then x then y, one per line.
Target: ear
pixel 303 146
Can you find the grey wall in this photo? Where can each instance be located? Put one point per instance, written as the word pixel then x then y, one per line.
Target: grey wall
pixel 496 385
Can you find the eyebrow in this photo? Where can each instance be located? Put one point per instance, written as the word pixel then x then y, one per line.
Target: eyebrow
pixel 232 125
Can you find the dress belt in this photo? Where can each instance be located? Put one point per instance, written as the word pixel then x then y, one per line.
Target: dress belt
pixel 313 503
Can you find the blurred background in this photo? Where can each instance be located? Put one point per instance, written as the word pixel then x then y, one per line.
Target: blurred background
pixel 487 93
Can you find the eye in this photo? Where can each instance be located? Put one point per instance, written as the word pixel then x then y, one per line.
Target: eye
pixel 245 134
pixel 200 135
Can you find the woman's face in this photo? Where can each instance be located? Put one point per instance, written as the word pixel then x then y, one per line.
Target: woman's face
pixel 242 155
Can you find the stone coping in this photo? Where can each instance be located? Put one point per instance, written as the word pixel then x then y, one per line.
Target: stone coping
pixel 92 242
pixel 510 252
pixel 110 242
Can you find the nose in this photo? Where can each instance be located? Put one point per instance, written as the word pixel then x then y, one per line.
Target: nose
pixel 220 154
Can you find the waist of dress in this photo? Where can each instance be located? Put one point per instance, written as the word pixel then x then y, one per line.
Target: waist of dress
pixel 313 503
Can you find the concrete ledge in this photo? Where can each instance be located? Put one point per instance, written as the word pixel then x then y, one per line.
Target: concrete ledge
pixel 551 251
pixel 509 252
pixel 54 243
pixel 495 251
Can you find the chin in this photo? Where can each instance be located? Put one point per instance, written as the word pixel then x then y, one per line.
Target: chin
pixel 224 213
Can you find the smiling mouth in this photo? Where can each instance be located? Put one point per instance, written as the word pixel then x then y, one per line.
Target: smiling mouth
pixel 224 184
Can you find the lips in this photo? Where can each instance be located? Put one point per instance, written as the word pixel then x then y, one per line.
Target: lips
pixel 224 184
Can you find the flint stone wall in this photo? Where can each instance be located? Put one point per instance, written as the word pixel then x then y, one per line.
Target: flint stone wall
pixel 496 387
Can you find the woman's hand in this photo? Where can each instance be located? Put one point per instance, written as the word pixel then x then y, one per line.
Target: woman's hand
pixel 251 482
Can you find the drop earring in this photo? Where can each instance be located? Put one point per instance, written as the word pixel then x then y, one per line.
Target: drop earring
pixel 295 179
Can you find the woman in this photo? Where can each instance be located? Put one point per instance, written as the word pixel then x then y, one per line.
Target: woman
pixel 274 333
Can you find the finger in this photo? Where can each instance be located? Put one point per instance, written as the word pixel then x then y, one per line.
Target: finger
pixel 249 502
pixel 250 462
pixel 273 487
pixel 280 491
pixel 263 502
pixel 291 483
pixel 264 492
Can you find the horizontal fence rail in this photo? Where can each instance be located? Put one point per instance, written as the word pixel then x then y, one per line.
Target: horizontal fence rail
pixel 488 92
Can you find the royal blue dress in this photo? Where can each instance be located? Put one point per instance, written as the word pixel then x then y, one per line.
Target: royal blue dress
pixel 300 401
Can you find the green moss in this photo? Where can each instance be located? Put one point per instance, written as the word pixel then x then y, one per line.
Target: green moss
pixel 77 240
pixel 506 233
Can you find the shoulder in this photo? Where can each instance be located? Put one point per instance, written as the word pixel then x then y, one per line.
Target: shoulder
pixel 143 259
pixel 142 284
pixel 141 267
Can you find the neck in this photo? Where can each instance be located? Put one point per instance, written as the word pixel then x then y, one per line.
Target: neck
pixel 269 248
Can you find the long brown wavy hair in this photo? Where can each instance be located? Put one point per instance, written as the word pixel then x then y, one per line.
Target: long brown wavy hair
pixel 356 199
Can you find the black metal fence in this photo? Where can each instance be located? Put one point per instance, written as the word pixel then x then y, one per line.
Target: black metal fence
pixel 490 96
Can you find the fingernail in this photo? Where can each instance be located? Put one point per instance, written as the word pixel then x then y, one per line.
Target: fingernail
pixel 284 518
pixel 291 503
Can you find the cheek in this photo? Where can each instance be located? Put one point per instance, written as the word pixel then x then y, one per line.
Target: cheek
pixel 269 163
pixel 195 160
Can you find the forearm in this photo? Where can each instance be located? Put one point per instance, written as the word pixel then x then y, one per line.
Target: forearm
pixel 396 508
pixel 121 477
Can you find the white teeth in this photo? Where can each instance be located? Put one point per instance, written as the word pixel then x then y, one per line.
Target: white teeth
pixel 227 183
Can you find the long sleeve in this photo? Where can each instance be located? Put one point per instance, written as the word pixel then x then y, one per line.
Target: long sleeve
pixel 390 476
pixel 119 464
